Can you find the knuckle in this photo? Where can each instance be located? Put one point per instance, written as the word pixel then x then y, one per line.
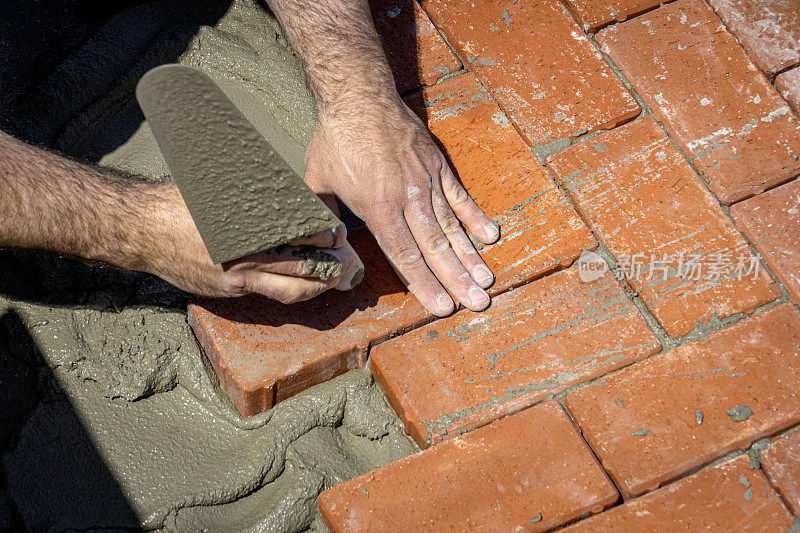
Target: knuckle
pixel 439 244
pixel 458 195
pixel 450 224
pixel 407 256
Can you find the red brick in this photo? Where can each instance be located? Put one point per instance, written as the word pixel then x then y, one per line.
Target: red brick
pixel 771 221
pixel 470 369
pixel 594 14
pixel 727 497
pixel 530 472
pixel 645 203
pixel 540 230
pixel 788 84
pixel 265 352
pixel 699 83
pixel 538 64
pixel 781 462
pixel 769 31
pixel 674 412
pixel 416 52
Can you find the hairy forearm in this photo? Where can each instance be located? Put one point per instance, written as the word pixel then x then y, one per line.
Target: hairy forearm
pixel 51 203
pixel 340 51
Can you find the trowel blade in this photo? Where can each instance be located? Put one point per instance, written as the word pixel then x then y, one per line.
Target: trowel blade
pixel 242 195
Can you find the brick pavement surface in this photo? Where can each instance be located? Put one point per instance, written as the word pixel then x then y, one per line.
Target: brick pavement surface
pixel 727 497
pixel 470 369
pixel 699 82
pixel 646 204
pixel 788 84
pixel 771 221
pixel 664 369
pixel 676 411
pixel 781 462
pixel 507 476
pixel 520 50
pixel 416 52
pixel 769 31
pixel 594 14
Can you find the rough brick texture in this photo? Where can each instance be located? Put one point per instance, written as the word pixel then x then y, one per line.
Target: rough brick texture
pixel 594 14
pixel 727 497
pixel 662 417
pixel 768 30
pixel 265 352
pixel 771 221
pixel 788 84
pixel 471 368
pixel 416 52
pixel 781 462
pixel 539 228
pixel 676 247
pixel 539 65
pixel 530 472
pixel 698 81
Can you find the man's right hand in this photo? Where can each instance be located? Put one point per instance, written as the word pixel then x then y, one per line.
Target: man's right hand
pixel 180 257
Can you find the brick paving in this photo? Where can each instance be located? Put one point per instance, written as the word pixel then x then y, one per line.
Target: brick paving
pixel 781 462
pixel 619 398
pixel 721 110
pixel 506 476
pixel 788 84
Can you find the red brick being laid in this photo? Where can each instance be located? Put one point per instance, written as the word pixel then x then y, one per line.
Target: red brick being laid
pixel 771 221
pixel 528 472
pixel 675 245
pixel 720 109
pixel 725 497
pixel 538 64
pixel 469 369
pixel 663 417
pixel 768 31
pixel 540 231
pixel 264 351
pixel 788 84
pixel 594 14
pixel 416 52
pixel 781 462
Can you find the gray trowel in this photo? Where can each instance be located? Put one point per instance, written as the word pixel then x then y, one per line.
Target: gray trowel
pixel 242 195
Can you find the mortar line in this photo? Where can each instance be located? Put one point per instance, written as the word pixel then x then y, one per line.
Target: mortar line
pixel 620 498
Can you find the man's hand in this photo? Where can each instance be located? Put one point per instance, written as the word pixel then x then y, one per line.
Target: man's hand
pixel 281 274
pixel 48 202
pixel 380 161
pixel 375 155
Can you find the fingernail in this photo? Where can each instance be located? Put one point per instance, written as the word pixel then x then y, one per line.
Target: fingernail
pixel 492 231
pixel 482 274
pixel 477 296
pixel 444 303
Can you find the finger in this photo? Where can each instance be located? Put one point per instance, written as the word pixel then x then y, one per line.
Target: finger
pixel 439 255
pixel 396 241
pixel 324 239
pixel 462 246
pixel 352 267
pixel 286 289
pixel 466 209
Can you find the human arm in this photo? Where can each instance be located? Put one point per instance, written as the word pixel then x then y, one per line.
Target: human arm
pixel 51 203
pixel 372 152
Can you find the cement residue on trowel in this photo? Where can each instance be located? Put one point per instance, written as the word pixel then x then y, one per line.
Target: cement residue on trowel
pixel 319 263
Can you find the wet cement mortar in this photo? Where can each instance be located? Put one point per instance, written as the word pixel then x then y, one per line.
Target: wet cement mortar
pixel 110 416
